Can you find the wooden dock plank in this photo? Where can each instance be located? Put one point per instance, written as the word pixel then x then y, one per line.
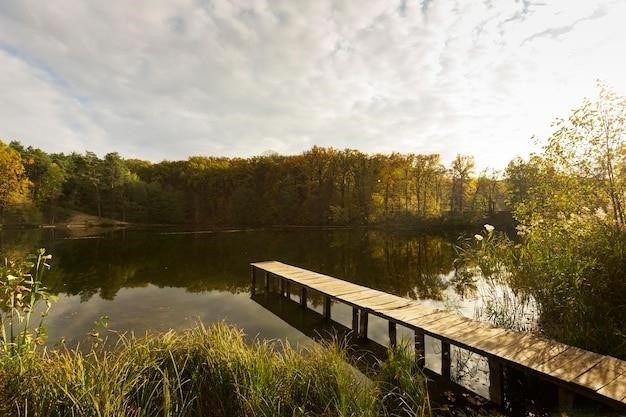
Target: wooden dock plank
pixel 337 292
pixel 517 342
pixel 424 320
pixel 607 370
pixel 331 287
pixel 582 364
pixel 459 331
pixel 603 375
pixel 358 298
pixel 313 282
pixel 439 325
pixel 533 351
pixel 559 361
pixel 479 328
pixel 474 338
pixel 407 313
pixel 412 306
pixel 376 300
pixel 616 389
pixel 311 278
pixel 498 342
pixel 387 304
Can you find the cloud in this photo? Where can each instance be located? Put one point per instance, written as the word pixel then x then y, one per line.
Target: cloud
pixel 165 80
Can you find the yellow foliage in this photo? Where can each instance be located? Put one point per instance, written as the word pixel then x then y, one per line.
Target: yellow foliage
pixel 14 184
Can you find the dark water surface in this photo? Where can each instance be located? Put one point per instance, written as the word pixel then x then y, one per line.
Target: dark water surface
pixel 155 280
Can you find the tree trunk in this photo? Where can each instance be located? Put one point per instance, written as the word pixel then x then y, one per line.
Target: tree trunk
pixel 99 203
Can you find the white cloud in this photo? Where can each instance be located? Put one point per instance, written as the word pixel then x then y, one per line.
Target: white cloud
pixel 171 79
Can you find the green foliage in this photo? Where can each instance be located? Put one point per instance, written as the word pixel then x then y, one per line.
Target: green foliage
pixel 581 167
pixel 402 390
pixel 21 295
pixel 569 258
pixel 589 145
pixel 574 269
pixel 461 171
pixel 46 176
pixel 322 186
pixel 209 372
pixel 567 262
pixel 570 270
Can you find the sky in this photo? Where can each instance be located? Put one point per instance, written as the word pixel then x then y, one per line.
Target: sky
pixel 166 80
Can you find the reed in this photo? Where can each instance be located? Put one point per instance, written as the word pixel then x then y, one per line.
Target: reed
pixel 565 279
pixel 207 371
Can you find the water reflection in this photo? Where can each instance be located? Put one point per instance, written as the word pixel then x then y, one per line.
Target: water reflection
pixel 150 280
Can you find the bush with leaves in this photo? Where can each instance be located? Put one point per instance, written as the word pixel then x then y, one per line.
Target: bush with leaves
pixel 570 269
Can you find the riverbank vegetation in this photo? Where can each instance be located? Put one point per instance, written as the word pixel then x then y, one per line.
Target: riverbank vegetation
pixel 207 372
pixel 199 372
pixel 569 256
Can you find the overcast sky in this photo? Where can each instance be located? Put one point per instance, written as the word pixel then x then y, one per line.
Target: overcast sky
pixel 166 80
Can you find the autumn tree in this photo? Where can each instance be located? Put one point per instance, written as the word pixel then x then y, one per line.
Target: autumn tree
pixel 487 192
pixel 521 176
pixel 589 145
pixel 461 170
pixel 318 187
pixel 13 181
pixel 46 177
pixel 427 171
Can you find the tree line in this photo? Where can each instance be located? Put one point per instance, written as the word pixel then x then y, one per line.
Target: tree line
pixel 582 165
pixel 322 186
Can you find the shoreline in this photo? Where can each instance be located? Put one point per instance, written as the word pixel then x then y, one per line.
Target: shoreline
pixel 431 225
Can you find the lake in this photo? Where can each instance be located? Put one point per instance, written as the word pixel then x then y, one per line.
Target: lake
pixel 157 280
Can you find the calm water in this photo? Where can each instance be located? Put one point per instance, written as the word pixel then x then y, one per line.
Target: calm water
pixel 154 280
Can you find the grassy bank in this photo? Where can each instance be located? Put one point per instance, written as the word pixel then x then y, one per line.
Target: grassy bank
pixel 206 372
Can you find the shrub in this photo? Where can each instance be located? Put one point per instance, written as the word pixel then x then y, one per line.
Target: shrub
pixel 571 269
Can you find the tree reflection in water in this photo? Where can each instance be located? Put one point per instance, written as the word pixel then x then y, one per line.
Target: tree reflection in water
pixel 407 264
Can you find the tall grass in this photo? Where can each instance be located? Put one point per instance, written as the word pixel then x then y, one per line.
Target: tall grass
pixel 570 271
pixel 207 371
pixel 200 372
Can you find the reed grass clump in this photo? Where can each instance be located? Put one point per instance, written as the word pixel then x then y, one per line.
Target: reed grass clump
pixel 569 270
pixel 206 371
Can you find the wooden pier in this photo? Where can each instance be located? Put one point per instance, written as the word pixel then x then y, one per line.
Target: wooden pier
pixel 572 370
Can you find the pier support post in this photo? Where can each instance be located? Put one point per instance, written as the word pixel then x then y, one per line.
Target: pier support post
pixel 496 381
pixel 253 280
pixel 393 338
pixel 327 308
pixel 445 359
pixel 288 289
pixel 267 282
pixel 282 287
pixel 355 320
pixel 420 349
pixel 566 401
pixel 363 324
pixel 303 297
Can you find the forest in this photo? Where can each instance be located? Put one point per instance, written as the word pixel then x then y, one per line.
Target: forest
pixel 323 186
